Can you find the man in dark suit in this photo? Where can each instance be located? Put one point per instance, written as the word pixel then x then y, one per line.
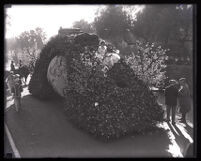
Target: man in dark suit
pixel 171 94
pixel 12 66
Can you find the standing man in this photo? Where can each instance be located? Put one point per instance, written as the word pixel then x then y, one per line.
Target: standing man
pixel 20 64
pixel 171 94
pixel 184 99
pixel 12 66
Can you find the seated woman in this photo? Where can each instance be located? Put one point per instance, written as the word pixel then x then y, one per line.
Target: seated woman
pixel 102 49
pixel 111 56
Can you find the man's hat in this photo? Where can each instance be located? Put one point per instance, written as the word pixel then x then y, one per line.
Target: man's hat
pixel 173 81
pixel 16 76
pixel 102 42
pixel 182 79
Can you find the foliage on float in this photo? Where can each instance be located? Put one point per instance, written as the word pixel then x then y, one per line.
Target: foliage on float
pixel 108 102
pixel 60 45
pixel 39 86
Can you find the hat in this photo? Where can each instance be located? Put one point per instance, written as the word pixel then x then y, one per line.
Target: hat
pixel 172 81
pixel 16 76
pixel 102 42
pixel 182 79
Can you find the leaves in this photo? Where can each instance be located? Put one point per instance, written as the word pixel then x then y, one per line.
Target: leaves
pixel 148 63
pixel 110 110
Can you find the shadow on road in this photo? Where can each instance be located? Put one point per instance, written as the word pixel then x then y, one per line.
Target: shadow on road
pixel 181 135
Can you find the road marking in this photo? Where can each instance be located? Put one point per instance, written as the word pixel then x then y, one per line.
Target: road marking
pixel 14 148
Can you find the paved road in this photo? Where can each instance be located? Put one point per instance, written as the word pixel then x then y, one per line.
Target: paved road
pixel 41 129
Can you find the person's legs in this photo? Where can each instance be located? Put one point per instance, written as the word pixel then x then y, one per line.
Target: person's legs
pixel 16 104
pixel 168 112
pixel 19 102
pixel 183 119
pixel 173 114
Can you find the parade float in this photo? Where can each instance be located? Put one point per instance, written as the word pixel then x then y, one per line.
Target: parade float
pixel 108 101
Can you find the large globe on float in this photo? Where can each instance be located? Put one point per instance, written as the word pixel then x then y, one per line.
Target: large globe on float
pixel 57 74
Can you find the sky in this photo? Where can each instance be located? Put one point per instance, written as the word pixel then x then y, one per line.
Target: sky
pixel 48 17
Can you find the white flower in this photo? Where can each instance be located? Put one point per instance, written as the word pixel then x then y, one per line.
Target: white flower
pixel 96 104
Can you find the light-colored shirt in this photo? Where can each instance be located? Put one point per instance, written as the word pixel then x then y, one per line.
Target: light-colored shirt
pixel 111 59
pixel 102 50
pixel 10 81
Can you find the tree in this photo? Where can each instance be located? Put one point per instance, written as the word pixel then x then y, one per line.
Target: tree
pixel 169 25
pixel 111 23
pixel 84 26
pixel 30 44
pixel 12 49
pixel 26 46
pixel 148 62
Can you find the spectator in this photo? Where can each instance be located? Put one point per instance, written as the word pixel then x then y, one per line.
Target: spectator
pixel 184 99
pixel 16 90
pixel 20 64
pixel 171 94
pixel 12 66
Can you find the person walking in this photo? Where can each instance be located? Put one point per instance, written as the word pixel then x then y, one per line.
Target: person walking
pixel 171 94
pixel 16 90
pixel 184 99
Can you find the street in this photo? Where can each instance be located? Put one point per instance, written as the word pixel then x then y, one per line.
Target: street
pixel 41 129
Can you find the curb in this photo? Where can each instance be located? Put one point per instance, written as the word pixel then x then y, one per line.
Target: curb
pixel 13 146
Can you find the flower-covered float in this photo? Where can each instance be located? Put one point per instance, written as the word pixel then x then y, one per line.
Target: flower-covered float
pixel 108 101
